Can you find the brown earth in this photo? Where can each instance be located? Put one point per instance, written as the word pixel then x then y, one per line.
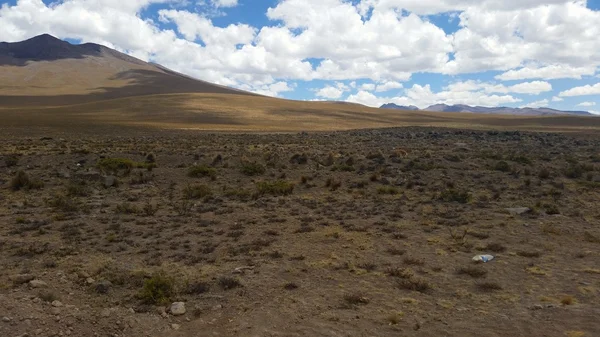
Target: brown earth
pixel 357 233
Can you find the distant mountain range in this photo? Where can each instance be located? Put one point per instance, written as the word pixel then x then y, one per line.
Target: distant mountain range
pixel 487 110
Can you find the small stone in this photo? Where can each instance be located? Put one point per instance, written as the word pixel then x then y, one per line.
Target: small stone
pixel 57 304
pixel 55 311
pixel 103 286
pixel 83 274
pixel 109 181
pixel 177 308
pixel 89 281
pixel 217 307
pixel 37 284
pixel 175 326
pixel 105 313
pixel 21 278
pixel 537 307
pixel 6 319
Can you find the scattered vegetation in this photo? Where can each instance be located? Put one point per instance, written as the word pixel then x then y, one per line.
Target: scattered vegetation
pixel 276 188
pixel 157 290
pixel 200 171
pixel 22 181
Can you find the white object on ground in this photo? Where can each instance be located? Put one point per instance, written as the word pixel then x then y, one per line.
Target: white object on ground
pixel 483 258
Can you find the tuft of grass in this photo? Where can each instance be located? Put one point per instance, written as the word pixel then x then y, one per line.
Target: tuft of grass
pixel 355 299
pixel 333 184
pixel 200 171
pixel 157 290
pixel 252 168
pixel 78 189
pixel 589 237
pixel 489 286
pixel 502 166
pixel 47 296
pixel 452 195
pixel 197 288
pixel 276 188
pixel 114 165
pixel 396 251
pixel 473 271
pixel 197 192
pixel 22 181
pixel 495 247
pixel 528 253
pixel 567 300
pixel 414 284
pixel 64 203
pixel 228 283
pixel 290 286
pixel 389 190
pixel 399 272
pixel 412 261
pixel 127 208
pixel 11 160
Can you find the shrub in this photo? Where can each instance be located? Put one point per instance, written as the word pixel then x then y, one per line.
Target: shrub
pixel 157 290
pixel 489 286
pixel 473 271
pixel 387 190
pixel 228 283
pixel 197 191
pixel 11 160
pixel 127 208
pixel 452 195
pixel 252 168
pixel 114 165
pixel 199 171
pixel 77 189
pixel 502 166
pixel 64 203
pixel 355 299
pixel 414 284
pixel 544 173
pixel 333 184
pixel 21 181
pixel 279 187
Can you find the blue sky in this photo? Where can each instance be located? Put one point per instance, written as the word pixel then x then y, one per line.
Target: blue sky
pixel 476 52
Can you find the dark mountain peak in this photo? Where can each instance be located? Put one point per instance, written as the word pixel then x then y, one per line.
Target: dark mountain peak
pixel 44 47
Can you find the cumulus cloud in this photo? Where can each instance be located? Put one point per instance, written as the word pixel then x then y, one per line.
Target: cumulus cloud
pixel 582 91
pixel 549 72
pixel 382 41
pixel 422 96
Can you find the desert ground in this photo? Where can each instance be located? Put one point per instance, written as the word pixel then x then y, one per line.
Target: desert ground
pixel 150 231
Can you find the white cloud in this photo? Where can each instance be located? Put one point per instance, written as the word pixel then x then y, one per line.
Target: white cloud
pixel 557 99
pixel 537 104
pixel 582 91
pixel 587 104
pixel 423 96
pixel 225 3
pixel 428 7
pixel 330 92
pixel 549 72
pixel 272 90
pixel 368 86
pixel 388 85
pixel 532 88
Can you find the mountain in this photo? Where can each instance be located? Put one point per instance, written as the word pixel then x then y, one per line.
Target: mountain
pixel 491 111
pixel 398 107
pixel 50 71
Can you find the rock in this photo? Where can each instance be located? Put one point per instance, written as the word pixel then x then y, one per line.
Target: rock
pixel 6 319
pixel 37 284
pixel 55 311
pixel 109 181
pixel 537 307
pixel 217 307
pixel 83 274
pixel 175 326
pixel 518 210
pixel 21 278
pixel 57 304
pixel 89 281
pixel 102 286
pixel 105 312
pixel 177 308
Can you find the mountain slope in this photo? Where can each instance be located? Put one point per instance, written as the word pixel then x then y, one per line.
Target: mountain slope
pixel 47 71
pixel 488 110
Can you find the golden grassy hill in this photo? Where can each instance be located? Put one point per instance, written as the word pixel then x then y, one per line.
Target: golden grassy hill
pixel 48 82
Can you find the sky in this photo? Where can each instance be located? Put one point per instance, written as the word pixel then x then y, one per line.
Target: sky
pixel 512 53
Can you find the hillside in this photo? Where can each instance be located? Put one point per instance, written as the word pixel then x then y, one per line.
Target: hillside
pixel 47 71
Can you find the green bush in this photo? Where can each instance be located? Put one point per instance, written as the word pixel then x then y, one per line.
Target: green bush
pixel 157 290
pixel 252 169
pixel 387 190
pixel 279 187
pixel 199 171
